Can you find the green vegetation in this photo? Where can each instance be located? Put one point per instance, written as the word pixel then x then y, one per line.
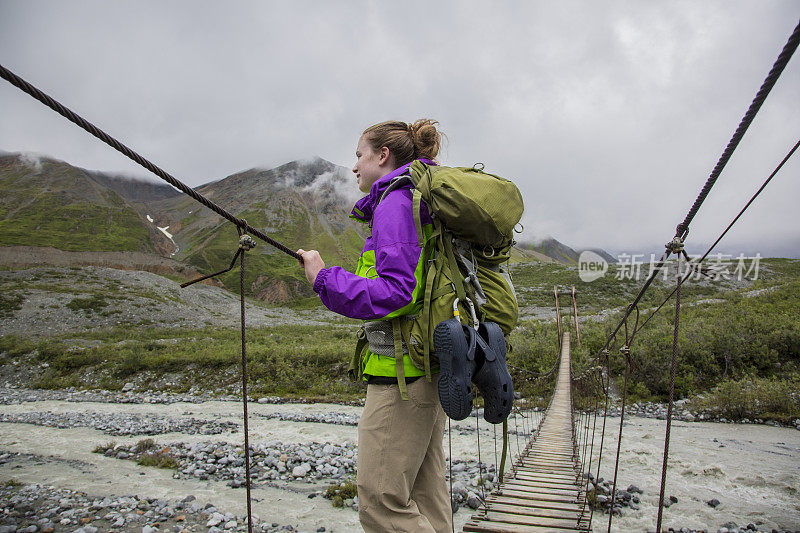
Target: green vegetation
pixel 80 226
pixel 10 303
pixel 292 361
pixel 753 397
pixel 91 304
pixel 740 336
pixel 103 448
pixel 339 492
pixel 212 249
pixel 739 346
pixel 145 445
pixel 159 459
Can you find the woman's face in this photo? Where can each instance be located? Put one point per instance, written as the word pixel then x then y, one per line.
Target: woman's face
pixel 370 165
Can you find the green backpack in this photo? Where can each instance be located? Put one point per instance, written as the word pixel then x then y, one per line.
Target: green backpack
pixel 474 214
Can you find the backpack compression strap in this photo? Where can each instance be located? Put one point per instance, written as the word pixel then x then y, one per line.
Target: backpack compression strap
pixel 398 358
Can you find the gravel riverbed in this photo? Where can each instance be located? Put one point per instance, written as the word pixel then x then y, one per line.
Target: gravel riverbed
pixel 49 466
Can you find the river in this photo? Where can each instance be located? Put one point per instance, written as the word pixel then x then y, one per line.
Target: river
pixel 753 470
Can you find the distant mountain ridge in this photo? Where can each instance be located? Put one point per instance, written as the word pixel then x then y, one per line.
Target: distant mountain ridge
pixel 306 203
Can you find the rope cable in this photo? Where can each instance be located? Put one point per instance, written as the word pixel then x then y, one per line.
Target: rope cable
pixel 671 396
pixel 244 397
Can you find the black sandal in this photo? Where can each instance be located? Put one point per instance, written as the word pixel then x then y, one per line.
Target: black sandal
pixel 492 377
pixel 454 345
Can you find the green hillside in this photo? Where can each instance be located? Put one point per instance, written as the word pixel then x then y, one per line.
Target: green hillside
pixel 50 203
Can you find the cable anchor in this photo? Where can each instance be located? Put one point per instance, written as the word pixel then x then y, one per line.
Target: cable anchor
pixel 675 246
pixel 246 242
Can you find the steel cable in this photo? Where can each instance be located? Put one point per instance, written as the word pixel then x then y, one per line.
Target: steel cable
pixel 671 396
pixel 244 398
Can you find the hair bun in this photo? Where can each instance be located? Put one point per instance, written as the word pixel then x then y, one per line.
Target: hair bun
pixel 426 138
pixel 407 141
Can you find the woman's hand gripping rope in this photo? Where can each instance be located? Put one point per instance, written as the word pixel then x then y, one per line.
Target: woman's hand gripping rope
pixel 311 262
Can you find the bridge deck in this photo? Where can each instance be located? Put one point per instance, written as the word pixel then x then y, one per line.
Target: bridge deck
pixel 543 491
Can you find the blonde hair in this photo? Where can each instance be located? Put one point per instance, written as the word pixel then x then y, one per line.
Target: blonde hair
pixel 406 142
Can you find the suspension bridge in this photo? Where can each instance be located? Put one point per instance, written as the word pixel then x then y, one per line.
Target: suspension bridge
pixel 546 488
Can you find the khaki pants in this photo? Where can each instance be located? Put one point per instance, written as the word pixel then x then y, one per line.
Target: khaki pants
pixel 401 463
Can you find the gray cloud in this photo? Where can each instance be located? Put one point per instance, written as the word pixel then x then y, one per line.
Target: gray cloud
pixel 609 116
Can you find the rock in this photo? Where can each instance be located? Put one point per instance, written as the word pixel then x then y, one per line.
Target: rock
pixel 215 520
pixel 127 387
pixel 473 501
pixel 713 503
pixel 148 529
pixel 634 488
pixel 230 524
pixel 89 529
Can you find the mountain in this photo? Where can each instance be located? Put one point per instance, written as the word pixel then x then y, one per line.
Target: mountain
pixel 45 202
pixel 48 204
pixel 54 213
pixel 552 249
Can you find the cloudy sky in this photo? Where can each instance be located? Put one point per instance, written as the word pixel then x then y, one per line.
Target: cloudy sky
pixel 609 115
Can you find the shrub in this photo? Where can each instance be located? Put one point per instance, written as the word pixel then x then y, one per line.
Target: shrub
pixel 340 492
pixel 103 448
pixel 159 459
pixel 145 445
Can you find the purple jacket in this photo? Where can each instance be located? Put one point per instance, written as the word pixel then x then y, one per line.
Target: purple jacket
pixel 388 278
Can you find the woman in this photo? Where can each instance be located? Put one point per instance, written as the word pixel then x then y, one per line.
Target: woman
pixel 401 463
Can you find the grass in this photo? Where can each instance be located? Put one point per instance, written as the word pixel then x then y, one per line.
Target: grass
pixel 90 304
pixel 291 361
pixel 145 445
pixel 9 303
pixel 736 338
pixel 79 226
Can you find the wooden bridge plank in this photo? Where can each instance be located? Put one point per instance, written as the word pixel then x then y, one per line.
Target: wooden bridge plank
pixel 544 491
pixel 489 527
pixel 521 520
pixel 499 503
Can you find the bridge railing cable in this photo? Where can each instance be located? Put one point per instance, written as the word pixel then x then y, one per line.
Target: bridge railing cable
pixel 675 246
pixel 682 229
